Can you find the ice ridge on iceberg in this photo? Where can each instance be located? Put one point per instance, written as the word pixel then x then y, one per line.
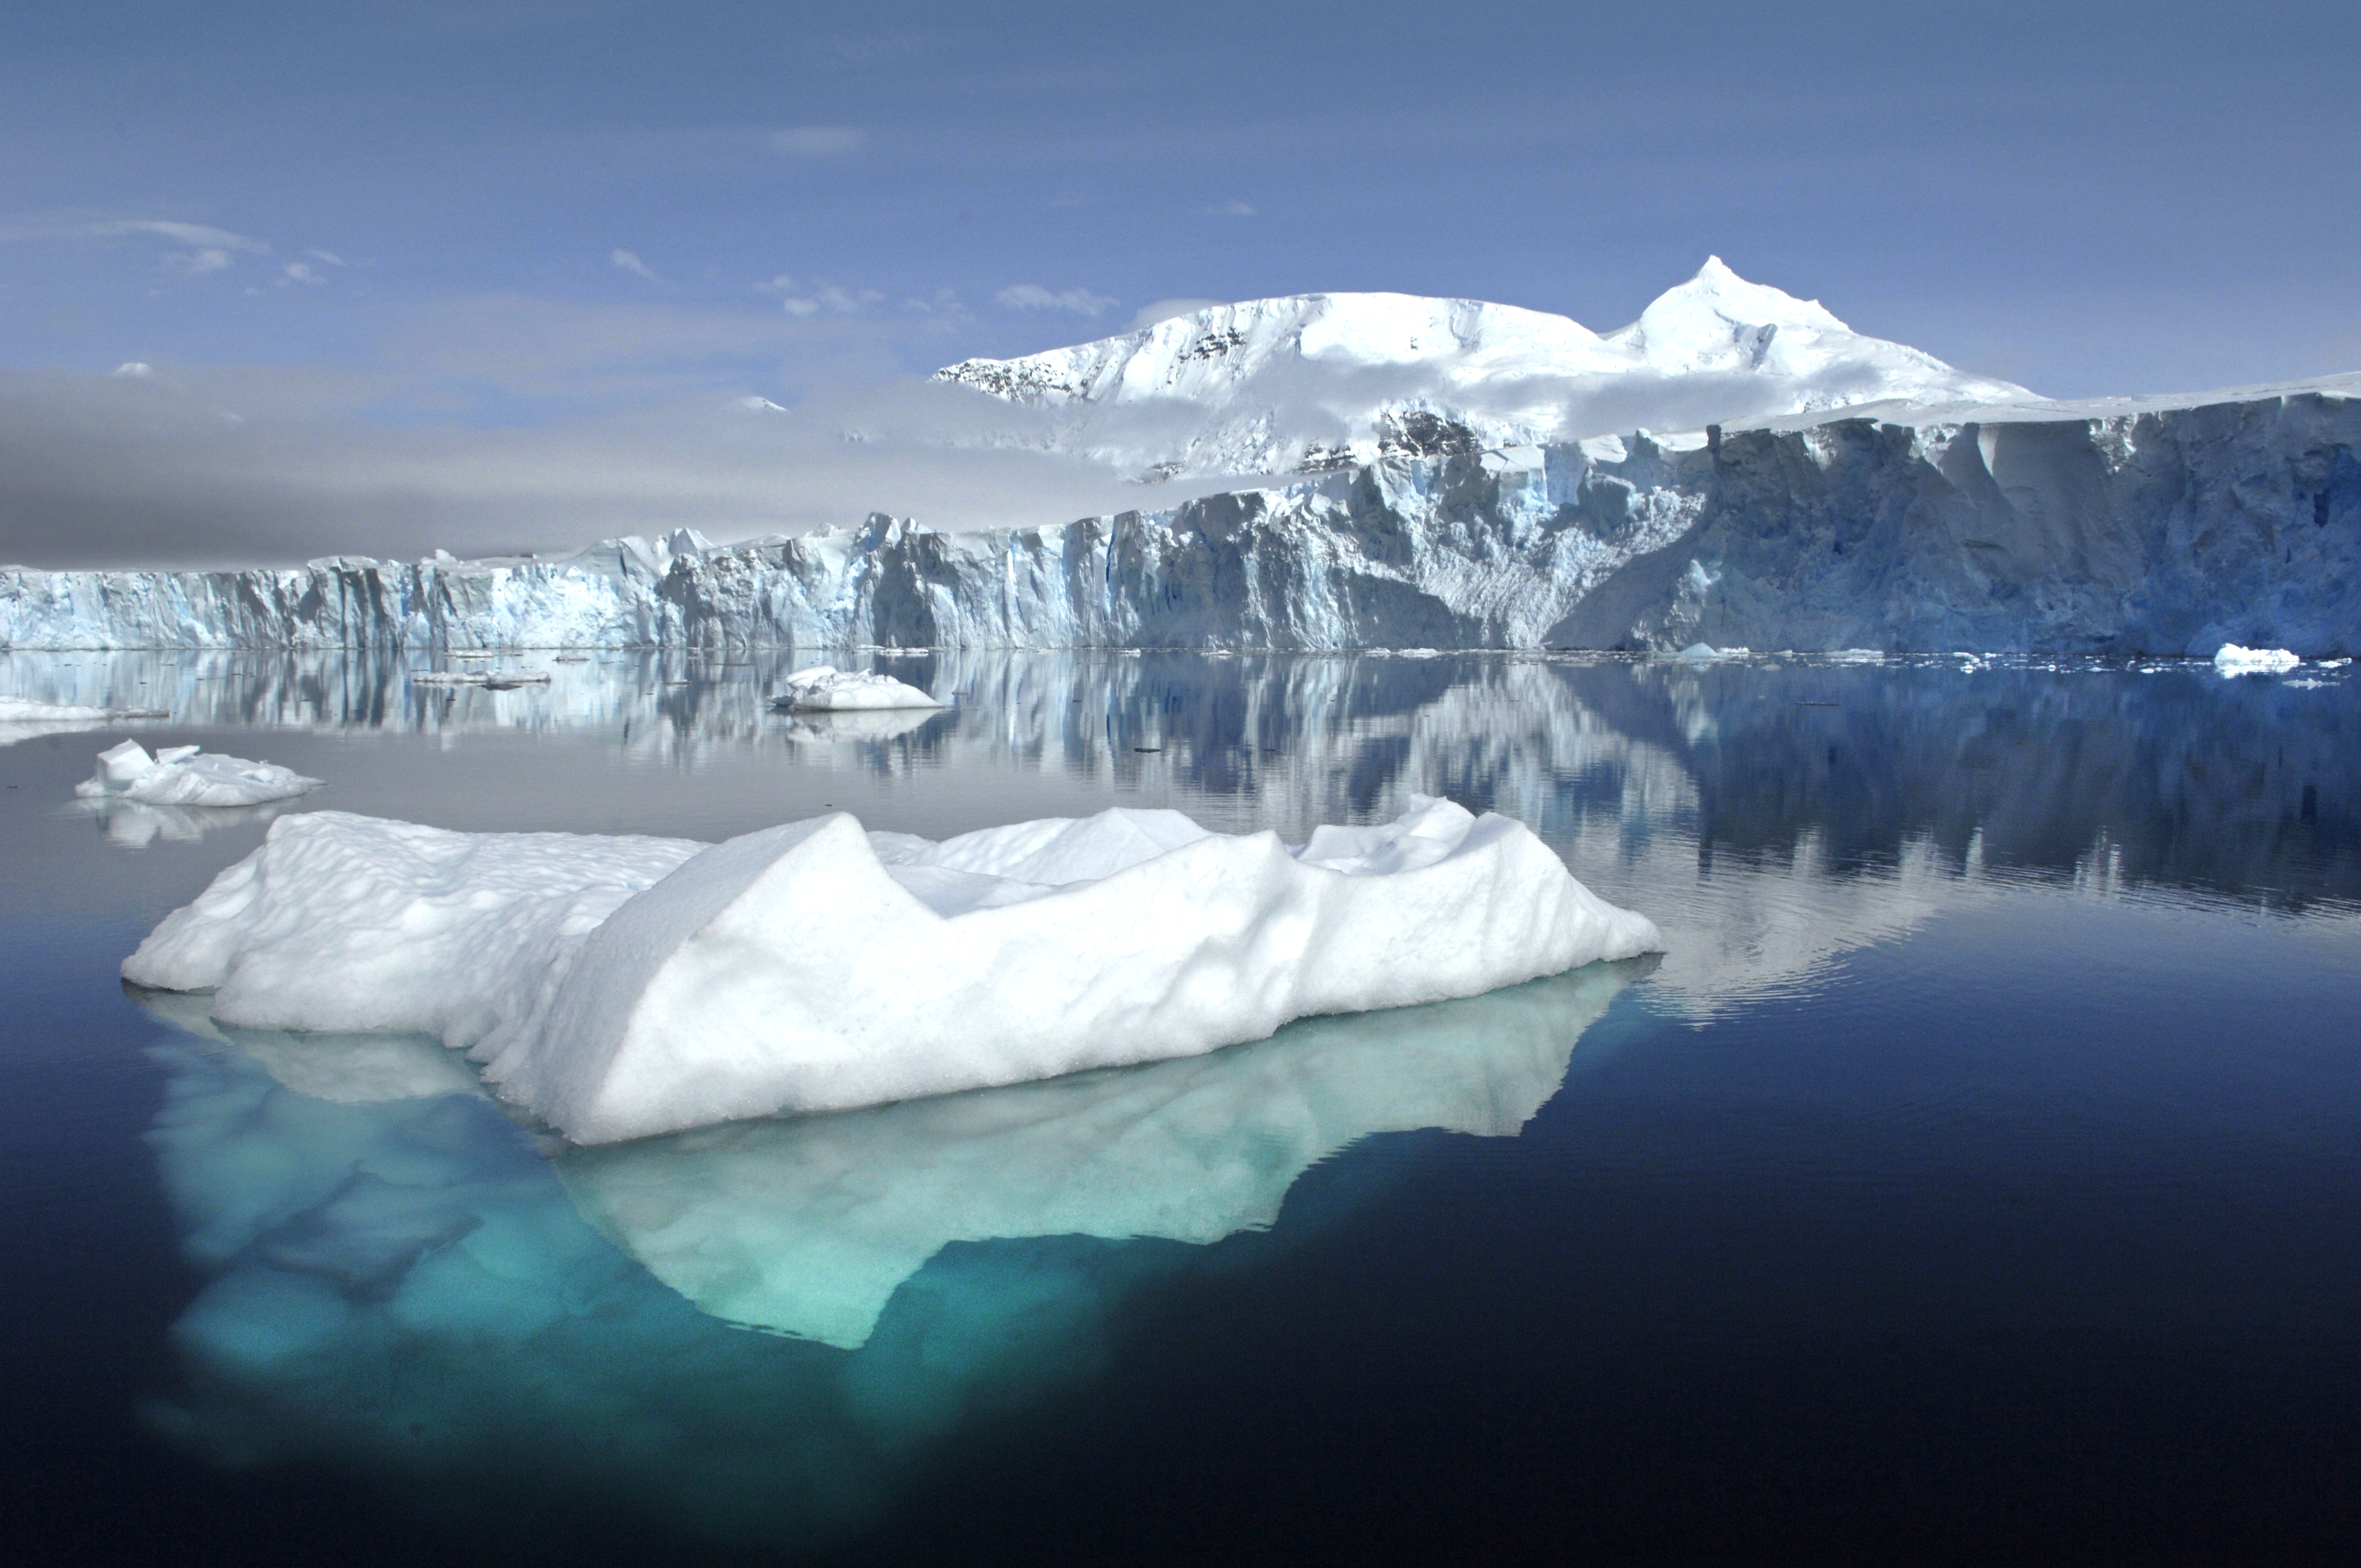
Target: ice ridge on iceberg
pixel 824 688
pixel 617 988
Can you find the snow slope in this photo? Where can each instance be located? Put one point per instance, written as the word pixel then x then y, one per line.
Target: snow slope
pixel 1314 381
pixel 618 987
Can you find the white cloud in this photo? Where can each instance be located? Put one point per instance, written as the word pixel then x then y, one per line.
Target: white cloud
pixel 134 369
pixel 812 299
pixel 1228 210
pixel 300 272
pixel 330 256
pixel 817 141
pixel 1033 297
pixel 196 263
pixel 628 261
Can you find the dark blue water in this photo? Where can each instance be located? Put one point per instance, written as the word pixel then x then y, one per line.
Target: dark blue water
pixel 1975 1177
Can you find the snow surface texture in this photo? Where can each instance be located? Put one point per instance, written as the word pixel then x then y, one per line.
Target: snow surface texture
pixel 183 775
pixel 824 688
pixel 2159 527
pixel 1316 381
pixel 817 967
pixel 2232 659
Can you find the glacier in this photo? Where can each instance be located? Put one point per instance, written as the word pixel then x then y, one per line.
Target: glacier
pixel 617 988
pixel 2163 526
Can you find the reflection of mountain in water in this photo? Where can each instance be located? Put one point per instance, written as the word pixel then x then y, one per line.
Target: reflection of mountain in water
pixel 809 1224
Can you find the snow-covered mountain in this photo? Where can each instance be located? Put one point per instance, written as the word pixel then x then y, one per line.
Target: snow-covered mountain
pixel 1310 382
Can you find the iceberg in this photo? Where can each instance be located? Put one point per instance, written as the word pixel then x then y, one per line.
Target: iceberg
pixel 809 1225
pixel 2232 659
pixel 824 688
pixel 183 776
pixel 617 988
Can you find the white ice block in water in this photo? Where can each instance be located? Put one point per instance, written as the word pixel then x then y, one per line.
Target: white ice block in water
pixel 2232 659
pixel 825 688
pixel 183 775
pixel 815 967
pixel 808 1224
pixel 793 969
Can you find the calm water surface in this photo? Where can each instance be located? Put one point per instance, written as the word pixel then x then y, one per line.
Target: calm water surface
pixel 1976 1176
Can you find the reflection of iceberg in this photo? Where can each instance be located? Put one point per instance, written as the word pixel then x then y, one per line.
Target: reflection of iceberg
pixel 135 825
pixel 346 1069
pixel 821 727
pixel 810 1225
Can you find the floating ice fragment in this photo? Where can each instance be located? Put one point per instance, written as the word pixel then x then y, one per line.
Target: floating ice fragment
pixel 24 719
pixel 2234 660
pixel 183 775
pixel 826 688
pixel 817 967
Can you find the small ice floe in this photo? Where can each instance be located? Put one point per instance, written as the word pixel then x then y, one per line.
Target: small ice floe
pixel 183 775
pixel 2333 663
pixel 1707 653
pixel 509 680
pixel 494 680
pixel 1856 656
pixel 571 659
pixel 617 988
pixel 24 719
pixel 824 688
pixel 2234 660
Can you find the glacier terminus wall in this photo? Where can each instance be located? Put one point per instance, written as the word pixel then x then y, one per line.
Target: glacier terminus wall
pixel 2166 530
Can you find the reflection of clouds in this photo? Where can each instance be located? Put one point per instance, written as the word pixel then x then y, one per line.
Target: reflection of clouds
pixel 400 1282
pixel 810 1224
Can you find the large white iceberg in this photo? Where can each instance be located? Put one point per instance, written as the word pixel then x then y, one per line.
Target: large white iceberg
pixel 2232 659
pixel 619 988
pixel 183 776
pixel 826 689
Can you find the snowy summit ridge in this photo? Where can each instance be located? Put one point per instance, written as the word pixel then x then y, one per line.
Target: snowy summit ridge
pixel 1307 382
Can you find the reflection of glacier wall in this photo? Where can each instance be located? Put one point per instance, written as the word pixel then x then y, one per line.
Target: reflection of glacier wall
pixel 2167 528
pixel 809 1224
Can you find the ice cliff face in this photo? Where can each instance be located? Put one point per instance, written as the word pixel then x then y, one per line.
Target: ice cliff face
pixel 2042 527
pixel 1311 382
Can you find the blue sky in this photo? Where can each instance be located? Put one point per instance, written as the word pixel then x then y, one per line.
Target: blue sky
pixel 466 219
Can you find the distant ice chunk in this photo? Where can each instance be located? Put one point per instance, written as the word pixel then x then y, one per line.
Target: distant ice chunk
pixel 2234 660
pixel 1707 653
pixel 826 688
pixel 619 988
pixel 24 718
pixel 183 775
